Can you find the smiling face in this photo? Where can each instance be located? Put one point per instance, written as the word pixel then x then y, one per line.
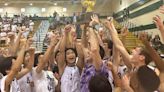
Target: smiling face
pixel 70 56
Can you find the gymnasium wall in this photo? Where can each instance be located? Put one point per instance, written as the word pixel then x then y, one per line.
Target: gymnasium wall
pixel 144 19
pixel 103 8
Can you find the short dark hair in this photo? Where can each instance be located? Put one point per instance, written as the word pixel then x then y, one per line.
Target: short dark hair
pixel 6 64
pixel 99 83
pixel 145 53
pixel 110 44
pixel 148 79
pixel 36 58
pixel 73 49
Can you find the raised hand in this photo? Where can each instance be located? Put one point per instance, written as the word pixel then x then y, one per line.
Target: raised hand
pixel 161 9
pixel 109 22
pixel 31 51
pixel 110 65
pixel 11 36
pixel 95 20
pixel 67 29
pixel 21 31
pixel 143 37
pixel 53 40
pixel 158 22
pixel 126 83
pixel 124 31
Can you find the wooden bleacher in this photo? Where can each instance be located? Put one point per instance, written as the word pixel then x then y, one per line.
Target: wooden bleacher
pixel 131 41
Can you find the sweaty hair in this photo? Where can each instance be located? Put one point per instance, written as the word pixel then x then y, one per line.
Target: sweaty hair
pixel 99 83
pixel 36 58
pixel 148 79
pixel 6 64
pixel 144 52
pixel 74 50
pixel 110 44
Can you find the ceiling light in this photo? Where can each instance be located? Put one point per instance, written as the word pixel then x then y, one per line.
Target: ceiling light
pixel 6 4
pixel 55 4
pixel 64 9
pixel 43 9
pixel 31 4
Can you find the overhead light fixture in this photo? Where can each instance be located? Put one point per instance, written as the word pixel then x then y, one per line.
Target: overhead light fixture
pixel 43 9
pixel 64 9
pixel 31 4
pixel 55 4
pixel 6 4
pixel 23 10
pixel 1 10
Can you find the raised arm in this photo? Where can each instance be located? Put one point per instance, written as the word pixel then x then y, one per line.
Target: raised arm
pixel 47 54
pixel 70 29
pixel 116 61
pixel 118 44
pixel 52 58
pixel 80 62
pixel 14 69
pixel 11 43
pixel 159 23
pixel 99 40
pixel 84 37
pixel 154 55
pixel 95 50
pixel 62 63
pixel 14 45
pixel 57 46
pixel 97 61
pixel 84 42
pixel 161 9
pixel 28 68
pixel 124 33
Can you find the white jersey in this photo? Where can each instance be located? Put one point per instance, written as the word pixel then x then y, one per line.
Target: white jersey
pixel 14 28
pixel 70 80
pixel 5 27
pixel 44 81
pixel 122 70
pixel 31 27
pixel 14 86
pixel 24 83
pixel 19 20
